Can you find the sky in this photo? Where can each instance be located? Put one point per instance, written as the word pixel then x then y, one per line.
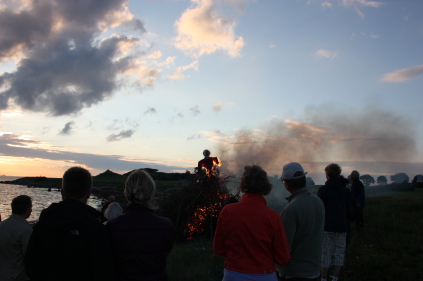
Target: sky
pixel 122 85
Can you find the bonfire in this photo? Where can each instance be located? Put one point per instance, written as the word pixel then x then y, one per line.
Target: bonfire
pixel 194 208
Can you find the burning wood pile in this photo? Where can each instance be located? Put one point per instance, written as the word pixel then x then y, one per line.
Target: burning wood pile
pixel 194 208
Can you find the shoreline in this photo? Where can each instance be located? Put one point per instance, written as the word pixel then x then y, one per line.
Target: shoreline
pixel 102 192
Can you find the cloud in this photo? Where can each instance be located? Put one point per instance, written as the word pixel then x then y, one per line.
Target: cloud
pixel 150 111
pixel 12 145
pixel 326 53
pixel 121 135
pixel 361 3
pixel 179 115
pixel 45 130
pixel 65 61
pixel 327 4
pixel 9 114
pixel 115 125
pixel 155 55
pixel 403 75
pixel 366 3
pixel 219 106
pixel 201 30
pixel 324 135
pixel 195 111
pixel 179 73
pixel 195 137
pixel 68 129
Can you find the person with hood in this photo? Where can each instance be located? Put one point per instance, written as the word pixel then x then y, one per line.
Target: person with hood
pixel 69 242
pixel 338 207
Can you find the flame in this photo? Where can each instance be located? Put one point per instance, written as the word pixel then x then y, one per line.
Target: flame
pixel 218 163
pixel 203 214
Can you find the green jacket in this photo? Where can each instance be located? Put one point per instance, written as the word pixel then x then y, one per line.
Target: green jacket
pixel 303 219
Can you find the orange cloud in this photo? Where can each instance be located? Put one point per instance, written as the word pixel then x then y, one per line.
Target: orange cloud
pixel 202 30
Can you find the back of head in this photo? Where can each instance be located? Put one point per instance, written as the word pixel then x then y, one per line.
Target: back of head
pixel 333 170
pixel 355 174
pixel 139 187
pixel 20 204
pixel 254 180
pixel 293 173
pixel 76 183
pixel 113 211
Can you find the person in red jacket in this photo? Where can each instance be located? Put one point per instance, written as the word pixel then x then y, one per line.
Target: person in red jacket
pixel 249 234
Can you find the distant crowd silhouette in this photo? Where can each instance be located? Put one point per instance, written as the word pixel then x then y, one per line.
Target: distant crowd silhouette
pixel 74 241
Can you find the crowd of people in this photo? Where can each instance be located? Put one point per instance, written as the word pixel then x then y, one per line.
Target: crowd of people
pixel 73 241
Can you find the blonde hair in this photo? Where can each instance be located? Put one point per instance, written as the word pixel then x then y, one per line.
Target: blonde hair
pixel 140 187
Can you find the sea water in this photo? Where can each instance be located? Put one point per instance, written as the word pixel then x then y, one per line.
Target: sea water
pixel 41 198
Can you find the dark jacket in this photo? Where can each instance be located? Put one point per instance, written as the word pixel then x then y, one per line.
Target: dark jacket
pixel 69 243
pixel 357 191
pixel 141 242
pixel 338 206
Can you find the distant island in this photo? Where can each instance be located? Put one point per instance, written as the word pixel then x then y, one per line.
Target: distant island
pixel 105 180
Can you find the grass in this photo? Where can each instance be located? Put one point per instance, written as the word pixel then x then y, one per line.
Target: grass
pixel 391 245
pixel 389 248
pixel 194 260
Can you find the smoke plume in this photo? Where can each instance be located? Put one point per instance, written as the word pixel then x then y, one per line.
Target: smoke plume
pixel 325 135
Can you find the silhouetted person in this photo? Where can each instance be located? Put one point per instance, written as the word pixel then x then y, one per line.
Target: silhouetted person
pixel 69 242
pixel 350 216
pixel 303 219
pixel 141 240
pixel 337 207
pixel 14 236
pixel 207 163
pixel 357 191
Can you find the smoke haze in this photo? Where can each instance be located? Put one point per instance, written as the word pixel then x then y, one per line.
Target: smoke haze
pixel 325 135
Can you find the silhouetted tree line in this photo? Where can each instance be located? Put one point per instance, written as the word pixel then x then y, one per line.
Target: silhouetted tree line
pixel 395 179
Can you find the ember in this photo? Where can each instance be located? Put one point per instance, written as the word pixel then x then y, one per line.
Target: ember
pixel 194 208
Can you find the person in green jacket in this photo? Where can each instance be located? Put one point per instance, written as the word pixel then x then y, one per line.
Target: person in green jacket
pixel 303 219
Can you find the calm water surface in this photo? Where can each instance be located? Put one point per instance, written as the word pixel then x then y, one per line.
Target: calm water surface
pixel 41 198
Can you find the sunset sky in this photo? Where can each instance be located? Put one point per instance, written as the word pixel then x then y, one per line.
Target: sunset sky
pixel 122 85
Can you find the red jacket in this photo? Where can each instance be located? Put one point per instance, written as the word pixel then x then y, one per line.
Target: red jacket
pixel 251 236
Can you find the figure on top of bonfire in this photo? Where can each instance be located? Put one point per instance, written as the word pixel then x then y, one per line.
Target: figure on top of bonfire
pixel 209 164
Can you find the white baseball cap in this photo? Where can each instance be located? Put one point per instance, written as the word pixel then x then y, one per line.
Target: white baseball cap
pixel 290 169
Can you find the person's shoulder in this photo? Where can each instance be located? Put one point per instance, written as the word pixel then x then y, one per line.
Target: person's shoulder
pixel 323 187
pixel 167 223
pixel 316 200
pixel 231 206
pixel 270 213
